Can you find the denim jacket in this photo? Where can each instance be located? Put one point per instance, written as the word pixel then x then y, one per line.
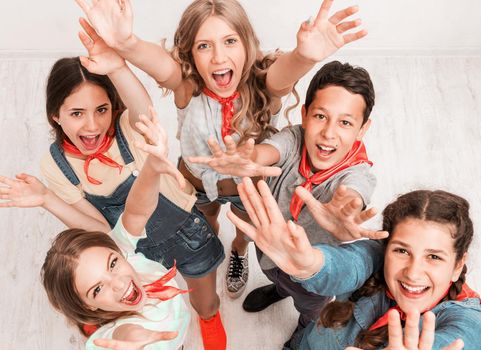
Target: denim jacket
pixel 345 269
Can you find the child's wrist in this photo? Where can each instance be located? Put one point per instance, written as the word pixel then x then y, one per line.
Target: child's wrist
pixel 128 44
pixel 303 59
pixel 314 268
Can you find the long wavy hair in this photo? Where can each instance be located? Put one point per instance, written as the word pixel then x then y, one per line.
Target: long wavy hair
pixel 66 75
pixel 437 206
pixel 252 120
pixel 58 277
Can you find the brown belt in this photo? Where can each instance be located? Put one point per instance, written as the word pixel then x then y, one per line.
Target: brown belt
pixel 226 187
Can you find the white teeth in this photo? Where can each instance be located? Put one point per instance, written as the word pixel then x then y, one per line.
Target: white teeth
pixel 413 289
pixel 89 137
pixel 220 72
pixel 326 148
pixel 128 291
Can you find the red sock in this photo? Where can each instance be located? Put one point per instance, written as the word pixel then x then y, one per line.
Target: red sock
pixel 213 333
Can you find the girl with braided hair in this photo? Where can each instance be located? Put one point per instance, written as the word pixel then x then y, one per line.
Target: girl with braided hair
pixel 420 267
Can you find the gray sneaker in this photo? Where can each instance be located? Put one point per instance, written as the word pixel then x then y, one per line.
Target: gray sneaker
pixel 237 274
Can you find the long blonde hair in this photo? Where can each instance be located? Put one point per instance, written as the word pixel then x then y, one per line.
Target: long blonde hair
pixel 255 99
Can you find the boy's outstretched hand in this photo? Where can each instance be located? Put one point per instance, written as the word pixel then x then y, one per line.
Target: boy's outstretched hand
pixel 145 337
pixel 102 59
pixel 341 217
pixel 235 161
pixel 284 242
pixel 411 340
pixel 25 191
pixel 323 36
pixel 156 146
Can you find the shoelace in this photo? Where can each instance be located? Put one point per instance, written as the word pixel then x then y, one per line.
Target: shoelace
pixel 235 266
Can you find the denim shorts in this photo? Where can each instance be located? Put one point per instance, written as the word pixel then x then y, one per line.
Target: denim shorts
pixel 184 237
pixel 202 199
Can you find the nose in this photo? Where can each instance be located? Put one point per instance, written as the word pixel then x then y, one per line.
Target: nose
pixel 219 54
pixel 414 270
pixel 119 283
pixel 329 130
pixel 90 122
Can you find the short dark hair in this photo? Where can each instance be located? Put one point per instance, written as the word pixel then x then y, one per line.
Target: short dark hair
pixel 354 79
pixel 66 75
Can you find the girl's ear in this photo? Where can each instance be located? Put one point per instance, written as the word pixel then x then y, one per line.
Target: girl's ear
pixel 459 268
pixel 55 118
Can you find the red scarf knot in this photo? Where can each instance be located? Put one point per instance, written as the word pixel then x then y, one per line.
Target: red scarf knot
pixel 356 155
pixel 158 289
pixel 466 293
pixel 104 147
pixel 227 109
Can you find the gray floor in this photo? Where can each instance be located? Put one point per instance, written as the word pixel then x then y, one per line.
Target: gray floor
pixel 426 132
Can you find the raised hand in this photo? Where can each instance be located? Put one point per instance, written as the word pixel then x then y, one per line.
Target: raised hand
pixel 341 217
pixel 25 191
pixel 145 337
pixel 411 339
pixel 285 243
pixel 235 161
pixel 102 58
pixel 156 146
pixel 112 19
pixel 323 36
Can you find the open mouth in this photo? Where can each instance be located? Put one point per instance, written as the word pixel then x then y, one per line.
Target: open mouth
pixel 414 291
pixel 132 295
pixel 90 142
pixel 222 77
pixel 326 151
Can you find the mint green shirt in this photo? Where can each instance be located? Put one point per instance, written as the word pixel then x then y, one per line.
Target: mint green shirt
pixel 170 315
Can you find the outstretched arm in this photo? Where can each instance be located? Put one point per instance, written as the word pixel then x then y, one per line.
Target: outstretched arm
pixel 284 242
pixel 113 19
pixel 133 337
pixel 411 339
pixel 246 160
pixel 343 215
pixel 105 61
pixel 316 40
pixel 26 191
pixel 144 194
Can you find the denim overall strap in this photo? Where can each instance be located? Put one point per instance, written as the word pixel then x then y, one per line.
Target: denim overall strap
pixel 122 142
pixel 59 157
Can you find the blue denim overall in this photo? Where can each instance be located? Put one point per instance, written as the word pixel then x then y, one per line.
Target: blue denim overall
pixel 172 233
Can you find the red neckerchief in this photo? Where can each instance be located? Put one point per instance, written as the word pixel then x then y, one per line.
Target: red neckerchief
pixel 104 146
pixel 356 155
pixel 227 109
pixel 466 293
pixel 154 290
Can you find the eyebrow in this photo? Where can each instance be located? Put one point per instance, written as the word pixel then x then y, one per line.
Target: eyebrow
pixel 328 112
pixel 106 104
pixel 96 284
pixel 432 251
pixel 223 38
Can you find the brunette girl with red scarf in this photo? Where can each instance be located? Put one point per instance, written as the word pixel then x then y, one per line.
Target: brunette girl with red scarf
pixel 420 267
pixel 223 85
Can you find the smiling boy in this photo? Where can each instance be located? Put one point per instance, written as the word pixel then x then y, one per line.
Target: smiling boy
pixel 321 154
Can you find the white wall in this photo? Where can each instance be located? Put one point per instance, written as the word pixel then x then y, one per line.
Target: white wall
pixel 432 27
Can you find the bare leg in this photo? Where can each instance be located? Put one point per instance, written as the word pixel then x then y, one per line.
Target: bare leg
pixel 203 297
pixel 239 244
